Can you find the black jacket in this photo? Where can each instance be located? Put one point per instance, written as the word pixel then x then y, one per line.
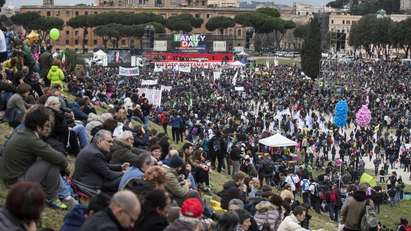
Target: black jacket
pixel 151 222
pixel 102 221
pixel 93 169
pixel 230 191
pixel 235 154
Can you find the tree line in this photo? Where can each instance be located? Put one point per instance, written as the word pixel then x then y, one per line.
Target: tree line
pixel 357 7
pixel 379 35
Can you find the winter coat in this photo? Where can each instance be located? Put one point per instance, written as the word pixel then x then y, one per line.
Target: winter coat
pixel 269 214
pixel 75 218
pixel 230 191
pixel 121 153
pixel 56 76
pixel 93 169
pixel 132 173
pixel 151 222
pixel 290 223
pixel 22 150
pixel 101 221
pixel 9 222
pixel 173 185
pixel 352 211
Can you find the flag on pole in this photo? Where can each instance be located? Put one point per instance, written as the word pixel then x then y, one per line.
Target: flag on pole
pixel 234 81
pixel 63 58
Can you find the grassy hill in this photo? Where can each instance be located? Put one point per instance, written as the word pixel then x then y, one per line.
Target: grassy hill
pixel 54 218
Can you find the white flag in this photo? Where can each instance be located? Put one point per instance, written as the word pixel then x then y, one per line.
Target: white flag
pixel 234 81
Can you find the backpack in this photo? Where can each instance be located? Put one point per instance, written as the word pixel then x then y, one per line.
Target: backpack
pixel 369 219
pixel 306 185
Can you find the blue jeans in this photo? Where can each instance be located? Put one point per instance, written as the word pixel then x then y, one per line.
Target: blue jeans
pixel 146 122
pixel 65 189
pixel 81 131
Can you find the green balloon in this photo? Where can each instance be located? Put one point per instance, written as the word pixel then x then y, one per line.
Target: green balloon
pixel 54 34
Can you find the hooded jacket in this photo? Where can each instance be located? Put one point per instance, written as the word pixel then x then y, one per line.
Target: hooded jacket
pixel 56 76
pixel 269 214
pixel 352 212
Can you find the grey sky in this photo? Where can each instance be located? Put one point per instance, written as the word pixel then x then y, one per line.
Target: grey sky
pixel 18 3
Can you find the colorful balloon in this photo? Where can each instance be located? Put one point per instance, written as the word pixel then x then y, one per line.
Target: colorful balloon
pixel 54 34
pixel 363 116
pixel 341 113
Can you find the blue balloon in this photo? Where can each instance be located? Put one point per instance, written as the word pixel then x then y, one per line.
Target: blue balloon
pixel 341 113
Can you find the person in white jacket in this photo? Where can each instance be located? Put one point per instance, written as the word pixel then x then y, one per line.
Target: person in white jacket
pixel 292 222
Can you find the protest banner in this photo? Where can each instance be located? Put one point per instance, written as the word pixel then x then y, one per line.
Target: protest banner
pixel 128 71
pixel 153 95
pixel 149 82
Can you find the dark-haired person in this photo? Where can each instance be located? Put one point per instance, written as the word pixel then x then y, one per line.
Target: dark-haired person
pixel 24 204
pixel 155 210
pixel 404 226
pixel 27 157
pixel 228 222
pixel 244 220
pixel 137 169
pixel 45 61
pixel 17 106
pixel 292 222
pixel 79 213
pixel 353 209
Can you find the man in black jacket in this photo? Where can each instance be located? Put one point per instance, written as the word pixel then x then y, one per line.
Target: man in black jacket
pixel 122 213
pixel 92 167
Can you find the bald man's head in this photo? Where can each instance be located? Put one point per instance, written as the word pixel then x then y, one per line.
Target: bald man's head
pixel 126 208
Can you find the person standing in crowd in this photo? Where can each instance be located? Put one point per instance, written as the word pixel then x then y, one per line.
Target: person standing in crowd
pixel 26 157
pixel 122 213
pixel 351 213
pixel 164 120
pixel 176 123
pixel 45 61
pixel 235 158
pixel 56 75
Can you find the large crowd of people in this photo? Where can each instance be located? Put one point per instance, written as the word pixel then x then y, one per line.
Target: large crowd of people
pixel 135 177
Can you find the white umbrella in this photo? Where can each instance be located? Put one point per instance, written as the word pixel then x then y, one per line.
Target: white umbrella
pixel 277 140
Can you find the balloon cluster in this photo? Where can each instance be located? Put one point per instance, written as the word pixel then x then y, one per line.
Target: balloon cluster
pixel 363 116
pixel 341 113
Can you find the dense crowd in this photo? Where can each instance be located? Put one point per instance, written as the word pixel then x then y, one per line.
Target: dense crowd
pixel 136 178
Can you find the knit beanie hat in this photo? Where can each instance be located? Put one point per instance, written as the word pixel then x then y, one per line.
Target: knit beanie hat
pixel 176 161
pixel 192 207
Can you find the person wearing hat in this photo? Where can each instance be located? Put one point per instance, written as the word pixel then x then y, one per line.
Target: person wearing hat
pixel 191 212
pixel 177 189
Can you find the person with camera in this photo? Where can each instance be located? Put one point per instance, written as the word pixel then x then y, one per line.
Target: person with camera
pixel 177 187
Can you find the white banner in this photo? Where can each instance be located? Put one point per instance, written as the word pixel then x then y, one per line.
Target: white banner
pixel 158 68
pixel 153 95
pixel 149 82
pixel 166 88
pixel 219 46
pixel 125 71
pixel 216 75
pixel 186 69
pixel 239 88
pixel 160 45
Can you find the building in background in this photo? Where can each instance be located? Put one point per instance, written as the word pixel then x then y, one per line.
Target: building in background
pixel 223 3
pixel 406 5
pixel 72 38
pixel 340 26
pixel 48 2
pixel 151 3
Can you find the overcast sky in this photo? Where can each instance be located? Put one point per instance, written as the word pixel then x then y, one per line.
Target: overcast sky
pixel 18 3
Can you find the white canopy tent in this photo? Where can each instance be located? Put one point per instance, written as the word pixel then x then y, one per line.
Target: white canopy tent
pixel 237 64
pixel 100 57
pixel 277 140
